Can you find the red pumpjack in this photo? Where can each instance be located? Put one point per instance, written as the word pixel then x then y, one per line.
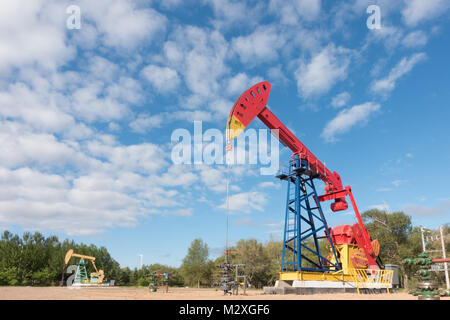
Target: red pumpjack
pixel 253 103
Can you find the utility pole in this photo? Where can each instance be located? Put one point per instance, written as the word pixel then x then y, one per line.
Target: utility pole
pixel 140 261
pixel 422 230
pixel 441 229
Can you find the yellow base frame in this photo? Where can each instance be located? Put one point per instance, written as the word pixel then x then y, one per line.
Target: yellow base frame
pixel 318 276
pixel 362 278
pixel 380 278
pixel 344 251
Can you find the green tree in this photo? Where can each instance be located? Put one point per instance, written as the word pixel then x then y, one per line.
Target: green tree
pixel 397 236
pixel 274 251
pixel 175 277
pixel 38 260
pixel 123 276
pixel 257 265
pixel 195 266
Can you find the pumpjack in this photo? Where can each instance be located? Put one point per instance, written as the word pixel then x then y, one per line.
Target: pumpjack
pixel 350 246
pixel 157 281
pixel 81 277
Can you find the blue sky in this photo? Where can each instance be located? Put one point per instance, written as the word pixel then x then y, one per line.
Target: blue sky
pixel 86 115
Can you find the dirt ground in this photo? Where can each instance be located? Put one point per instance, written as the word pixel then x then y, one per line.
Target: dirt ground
pixel 130 293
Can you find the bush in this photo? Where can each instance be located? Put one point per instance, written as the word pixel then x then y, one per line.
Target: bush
pixel 9 277
pixel 42 277
pixel 143 282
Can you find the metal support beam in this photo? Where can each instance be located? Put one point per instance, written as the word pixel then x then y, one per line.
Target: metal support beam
pixel 304 224
pixel 444 256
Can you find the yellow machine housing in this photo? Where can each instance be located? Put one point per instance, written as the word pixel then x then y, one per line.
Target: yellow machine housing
pixel 344 253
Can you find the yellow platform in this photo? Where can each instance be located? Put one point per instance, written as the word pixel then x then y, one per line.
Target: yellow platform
pixel 359 278
pixel 316 276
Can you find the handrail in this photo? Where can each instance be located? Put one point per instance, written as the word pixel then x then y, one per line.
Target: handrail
pixel 372 278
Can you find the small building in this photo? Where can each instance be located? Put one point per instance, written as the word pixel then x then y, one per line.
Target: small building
pixel 395 280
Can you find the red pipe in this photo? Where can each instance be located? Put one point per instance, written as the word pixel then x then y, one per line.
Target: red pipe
pixel 440 260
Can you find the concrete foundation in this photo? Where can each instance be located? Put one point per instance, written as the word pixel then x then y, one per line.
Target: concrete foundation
pixel 317 287
pixel 91 285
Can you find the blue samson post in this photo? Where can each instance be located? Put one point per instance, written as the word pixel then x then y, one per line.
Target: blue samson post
pixel 305 223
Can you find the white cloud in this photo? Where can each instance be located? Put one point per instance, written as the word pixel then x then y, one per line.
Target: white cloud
pixel 417 11
pixel 199 55
pixel 112 185
pixel 397 183
pixel 164 79
pixel 292 11
pixel 22 148
pixel 31 34
pixel 125 90
pixel 220 107
pixel 40 111
pixel 245 222
pixel 229 13
pixel 23 181
pixel 34 34
pixel 347 118
pixel 177 175
pixel 121 23
pixel 145 122
pixel 62 102
pixel 269 184
pixel 142 158
pixel 439 209
pixel 386 85
pixel 308 9
pixel 90 104
pixel 57 167
pixel 415 39
pixel 187 212
pixel 196 115
pixel 112 126
pixel 303 42
pixel 101 68
pixel 170 4
pixel 323 71
pixel 261 45
pixel 382 207
pixel 390 36
pixel 246 202
pixel 42 201
pixel 276 74
pixel 384 189
pixel 214 179
pixel 340 100
pixel 241 82
pixel 347 12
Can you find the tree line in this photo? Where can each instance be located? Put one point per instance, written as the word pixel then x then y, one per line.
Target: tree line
pixel 39 261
